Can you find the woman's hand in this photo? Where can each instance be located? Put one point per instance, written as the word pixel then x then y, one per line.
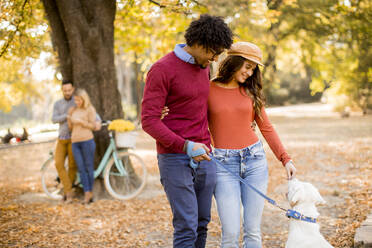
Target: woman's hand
pixel 70 110
pixel 77 121
pixel 164 112
pixel 253 126
pixel 291 170
pixel 97 125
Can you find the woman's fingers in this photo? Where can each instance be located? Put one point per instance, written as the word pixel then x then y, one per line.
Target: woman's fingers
pixel 206 157
pixel 206 148
pixel 201 157
pixel 291 170
pixel 164 112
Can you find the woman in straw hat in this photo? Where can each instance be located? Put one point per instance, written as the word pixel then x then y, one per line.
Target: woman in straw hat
pixel 236 101
pixel 82 121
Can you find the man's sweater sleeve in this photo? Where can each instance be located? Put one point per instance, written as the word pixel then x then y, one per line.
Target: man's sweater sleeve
pixel 58 117
pixel 154 99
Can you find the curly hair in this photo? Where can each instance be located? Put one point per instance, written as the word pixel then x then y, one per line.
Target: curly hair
pixel 252 85
pixel 211 32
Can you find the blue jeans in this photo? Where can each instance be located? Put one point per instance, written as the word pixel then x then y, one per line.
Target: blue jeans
pixel 189 193
pixel 249 163
pixel 84 158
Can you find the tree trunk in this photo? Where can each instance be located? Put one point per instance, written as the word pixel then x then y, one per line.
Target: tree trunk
pixel 139 86
pixel 83 35
pixel 270 69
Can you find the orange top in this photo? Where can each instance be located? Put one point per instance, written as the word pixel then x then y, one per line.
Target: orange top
pixel 230 114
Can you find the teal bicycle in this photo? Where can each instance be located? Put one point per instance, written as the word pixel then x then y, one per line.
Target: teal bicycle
pixel 124 173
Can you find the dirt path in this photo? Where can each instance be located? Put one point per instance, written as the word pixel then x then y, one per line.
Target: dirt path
pixel 332 153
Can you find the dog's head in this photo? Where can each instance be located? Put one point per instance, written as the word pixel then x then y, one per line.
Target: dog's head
pixel 301 192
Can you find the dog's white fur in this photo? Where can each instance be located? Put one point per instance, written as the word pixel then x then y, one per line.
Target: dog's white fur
pixel 303 197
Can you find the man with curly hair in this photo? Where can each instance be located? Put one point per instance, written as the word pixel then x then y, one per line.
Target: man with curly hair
pixel 180 81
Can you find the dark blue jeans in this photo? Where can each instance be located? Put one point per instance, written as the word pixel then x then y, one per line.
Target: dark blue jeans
pixel 189 193
pixel 84 158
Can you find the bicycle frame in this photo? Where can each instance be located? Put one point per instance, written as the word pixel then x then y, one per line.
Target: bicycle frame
pixel 110 151
pixel 51 156
pixel 114 156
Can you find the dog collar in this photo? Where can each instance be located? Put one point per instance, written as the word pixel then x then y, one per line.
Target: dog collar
pixel 298 216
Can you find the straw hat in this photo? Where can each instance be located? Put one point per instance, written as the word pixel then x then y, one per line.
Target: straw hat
pixel 246 50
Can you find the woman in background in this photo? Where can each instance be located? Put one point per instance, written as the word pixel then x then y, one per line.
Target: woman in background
pixel 82 121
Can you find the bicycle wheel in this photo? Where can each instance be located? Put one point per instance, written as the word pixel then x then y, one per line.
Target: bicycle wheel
pixel 50 181
pixel 124 186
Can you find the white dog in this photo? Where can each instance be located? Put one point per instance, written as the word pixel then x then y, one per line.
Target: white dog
pixel 303 198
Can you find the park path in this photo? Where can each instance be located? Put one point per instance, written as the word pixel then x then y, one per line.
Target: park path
pixel 332 153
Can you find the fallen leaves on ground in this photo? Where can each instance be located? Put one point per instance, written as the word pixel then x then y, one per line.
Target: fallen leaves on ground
pixel 339 166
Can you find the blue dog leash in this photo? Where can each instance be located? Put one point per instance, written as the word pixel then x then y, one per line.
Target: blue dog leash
pixel 290 213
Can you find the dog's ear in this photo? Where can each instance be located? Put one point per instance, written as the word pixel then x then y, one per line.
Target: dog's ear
pixel 316 195
pixel 296 194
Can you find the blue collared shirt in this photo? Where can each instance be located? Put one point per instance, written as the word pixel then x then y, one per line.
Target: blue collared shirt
pixel 182 54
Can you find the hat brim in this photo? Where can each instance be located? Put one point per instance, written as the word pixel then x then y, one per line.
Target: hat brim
pixel 248 58
pixel 255 61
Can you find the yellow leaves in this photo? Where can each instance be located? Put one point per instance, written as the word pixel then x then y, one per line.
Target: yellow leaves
pixel 33 229
pixel 273 15
pixel 16 85
pixel 148 31
pixel 13 94
pixel 23 29
pixel 290 2
pixel 120 125
pixel 9 208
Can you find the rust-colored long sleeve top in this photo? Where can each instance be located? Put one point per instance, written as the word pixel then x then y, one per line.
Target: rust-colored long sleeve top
pixel 230 114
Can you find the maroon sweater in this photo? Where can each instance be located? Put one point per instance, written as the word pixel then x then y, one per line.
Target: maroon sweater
pixel 184 88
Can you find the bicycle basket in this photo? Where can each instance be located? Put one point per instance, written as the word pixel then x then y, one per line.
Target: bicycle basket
pixel 126 139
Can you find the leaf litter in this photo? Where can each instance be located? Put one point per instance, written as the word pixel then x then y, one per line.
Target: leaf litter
pixel 340 167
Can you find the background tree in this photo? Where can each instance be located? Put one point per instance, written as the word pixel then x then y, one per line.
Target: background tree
pixel 147 30
pixel 22 38
pixel 309 46
pixel 82 34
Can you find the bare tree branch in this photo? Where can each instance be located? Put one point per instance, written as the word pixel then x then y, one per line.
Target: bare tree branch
pixel 185 12
pixel 160 5
pixel 198 3
pixel 11 36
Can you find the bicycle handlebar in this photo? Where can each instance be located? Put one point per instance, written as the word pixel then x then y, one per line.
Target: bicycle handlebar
pixel 105 123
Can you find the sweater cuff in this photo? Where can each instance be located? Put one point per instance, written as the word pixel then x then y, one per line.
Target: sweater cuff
pixel 286 160
pixel 178 145
pixel 185 146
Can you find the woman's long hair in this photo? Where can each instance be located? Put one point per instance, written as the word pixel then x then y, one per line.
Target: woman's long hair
pixel 84 95
pixel 252 86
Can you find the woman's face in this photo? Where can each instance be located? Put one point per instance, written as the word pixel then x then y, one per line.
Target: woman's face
pixel 245 71
pixel 78 101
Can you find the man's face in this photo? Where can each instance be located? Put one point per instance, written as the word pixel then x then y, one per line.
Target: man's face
pixel 67 90
pixel 203 57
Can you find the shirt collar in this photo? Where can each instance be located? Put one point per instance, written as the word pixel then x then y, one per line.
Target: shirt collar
pixel 183 55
